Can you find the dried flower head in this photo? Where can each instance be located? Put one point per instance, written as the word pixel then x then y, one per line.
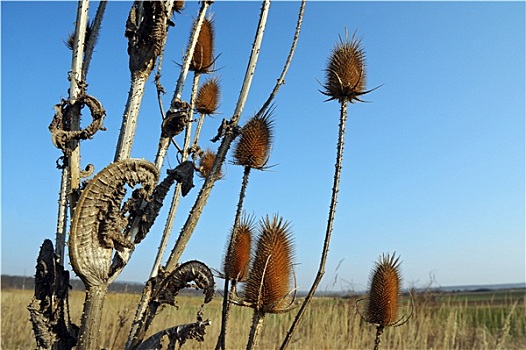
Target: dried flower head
pixel 345 72
pixel 203 57
pixel 269 280
pixel 178 6
pixel 206 160
pixel 241 250
pixel 253 147
pixel 384 292
pixel 208 97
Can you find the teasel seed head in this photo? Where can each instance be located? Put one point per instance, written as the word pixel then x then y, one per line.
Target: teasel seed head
pixel 241 251
pixel 178 6
pixel 384 292
pixel 203 57
pixel 269 281
pixel 208 95
pixel 345 72
pixel 206 160
pixel 254 144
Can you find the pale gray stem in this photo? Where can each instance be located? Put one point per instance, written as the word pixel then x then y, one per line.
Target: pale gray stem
pixel 330 221
pixel 202 198
pixel 91 319
pixel 255 329
pixel 129 120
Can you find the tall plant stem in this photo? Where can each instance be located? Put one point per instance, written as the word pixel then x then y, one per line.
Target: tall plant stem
pixel 255 329
pixel 330 222
pixel 221 341
pixel 91 318
pixel 129 120
pixel 204 193
pixel 93 37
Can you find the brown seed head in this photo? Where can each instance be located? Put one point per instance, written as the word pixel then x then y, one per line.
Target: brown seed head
pixel 206 161
pixel 208 97
pixel 385 292
pixel 269 279
pixel 203 57
pixel 253 147
pixel 178 6
pixel 345 72
pixel 240 262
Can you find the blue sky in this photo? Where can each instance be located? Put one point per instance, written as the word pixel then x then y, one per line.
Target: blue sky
pixel 433 164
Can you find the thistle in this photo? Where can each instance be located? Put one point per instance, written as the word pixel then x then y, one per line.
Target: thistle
pixel 203 57
pixel 253 148
pixel 384 296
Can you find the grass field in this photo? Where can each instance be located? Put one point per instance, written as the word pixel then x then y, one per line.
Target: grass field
pixel 482 320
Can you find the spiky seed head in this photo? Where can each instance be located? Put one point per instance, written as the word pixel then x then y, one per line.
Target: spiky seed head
pixel 253 147
pixel 241 251
pixel 345 72
pixel 384 292
pixel 208 97
pixel 203 57
pixel 269 280
pixel 206 161
pixel 178 6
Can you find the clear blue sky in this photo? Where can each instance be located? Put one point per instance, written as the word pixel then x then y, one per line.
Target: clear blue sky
pixel 433 165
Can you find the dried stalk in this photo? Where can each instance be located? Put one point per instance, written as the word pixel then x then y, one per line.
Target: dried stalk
pixel 330 221
pixel 93 37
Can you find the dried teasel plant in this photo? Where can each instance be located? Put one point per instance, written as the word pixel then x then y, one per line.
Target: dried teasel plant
pixel 383 301
pixel 345 82
pixel 203 58
pixel 252 150
pixel 206 103
pixel 208 96
pixel 253 147
pixel 345 71
pixel 268 287
pixel 236 263
pixel 206 161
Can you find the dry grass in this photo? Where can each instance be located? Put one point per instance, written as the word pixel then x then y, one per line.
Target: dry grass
pixel 439 322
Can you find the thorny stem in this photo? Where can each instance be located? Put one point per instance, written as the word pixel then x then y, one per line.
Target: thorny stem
pixel 330 221
pixel 378 338
pixel 257 325
pixel 221 343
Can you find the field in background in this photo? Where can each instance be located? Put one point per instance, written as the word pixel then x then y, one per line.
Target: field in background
pixel 464 320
